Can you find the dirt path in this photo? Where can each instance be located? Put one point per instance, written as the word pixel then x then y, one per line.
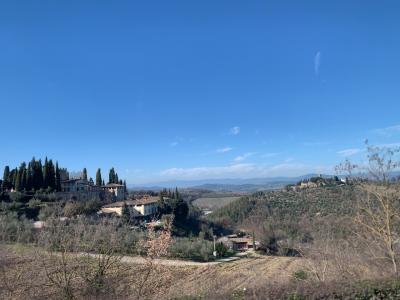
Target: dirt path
pixel 167 262
pixel 175 262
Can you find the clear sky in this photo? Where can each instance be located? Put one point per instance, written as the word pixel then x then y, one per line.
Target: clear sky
pixel 167 90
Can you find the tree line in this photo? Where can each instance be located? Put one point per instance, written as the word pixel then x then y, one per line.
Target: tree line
pixel 35 175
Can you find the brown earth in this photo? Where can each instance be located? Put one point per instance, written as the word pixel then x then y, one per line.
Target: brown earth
pixel 229 277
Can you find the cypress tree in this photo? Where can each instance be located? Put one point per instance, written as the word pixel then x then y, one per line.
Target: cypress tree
pixel 25 179
pixel 33 170
pixel 17 184
pixel 125 190
pixel 14 175
pixel 84 174
pixel 51 175
pixel 5 185
pixel 98 177
pixel 111 176
pixel 46 174
pixel 58 178
pixel 21 177
pixel 116 178
pixel 125 213
pixel 103 183
pixel 35 174
pixel 29 177
pixel 39 175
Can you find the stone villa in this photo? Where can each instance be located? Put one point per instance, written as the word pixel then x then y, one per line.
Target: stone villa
pixel 144 207
pixel 82 189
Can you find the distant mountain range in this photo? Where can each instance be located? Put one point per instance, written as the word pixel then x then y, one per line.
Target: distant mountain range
pixel 226 184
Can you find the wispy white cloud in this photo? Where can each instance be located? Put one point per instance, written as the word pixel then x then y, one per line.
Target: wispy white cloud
pixel 234 130
pixel 349 152
pixel 316 143
pixel 317 63
pixel 243 170
pixel 387 131
pixel 244 156
pixel 267 155
pixel 224 150
pixel 174 144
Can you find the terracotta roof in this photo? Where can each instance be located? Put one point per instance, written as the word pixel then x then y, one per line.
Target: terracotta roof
pixel 113 185
pixel 147 200
pixel 240 240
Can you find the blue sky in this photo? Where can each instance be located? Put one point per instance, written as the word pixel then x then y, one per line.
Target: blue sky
pixel 166 90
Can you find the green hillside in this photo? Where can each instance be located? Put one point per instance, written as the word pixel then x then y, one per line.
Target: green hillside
pixel 287 204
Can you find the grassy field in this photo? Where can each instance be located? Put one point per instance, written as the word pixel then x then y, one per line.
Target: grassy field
pixel 213 203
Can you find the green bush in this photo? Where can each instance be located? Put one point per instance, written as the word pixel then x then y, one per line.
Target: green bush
pixel 300 275
pixel 16 229
pixel 221 249
pixel 192 248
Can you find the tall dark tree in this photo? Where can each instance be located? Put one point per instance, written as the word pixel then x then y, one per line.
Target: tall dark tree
pixel 84 174
pixel 98 177
pixel 25 179
pixel 21 182
pixel 6 184
pixel 29 179
pixel 111 176
pixel 46 174
pixel 58 178
pixel 51 175
pixel 14 176
pixel 180 209
pixel 125 213
pixel 17 183
pixel 37 174
pixel 116 180
pixel 125 190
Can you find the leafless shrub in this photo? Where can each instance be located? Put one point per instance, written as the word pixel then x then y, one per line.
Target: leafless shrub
pixel 152 276
pixel 378 209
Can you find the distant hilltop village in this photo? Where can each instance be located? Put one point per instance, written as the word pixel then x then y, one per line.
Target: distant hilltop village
pixel 318 181
pixel 47 177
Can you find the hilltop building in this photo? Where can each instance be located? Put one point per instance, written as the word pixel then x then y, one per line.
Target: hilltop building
pixel 82 189
pixel 117 189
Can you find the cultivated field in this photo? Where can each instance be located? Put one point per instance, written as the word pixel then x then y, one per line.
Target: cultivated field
pixel 235 277
pixel 174 281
